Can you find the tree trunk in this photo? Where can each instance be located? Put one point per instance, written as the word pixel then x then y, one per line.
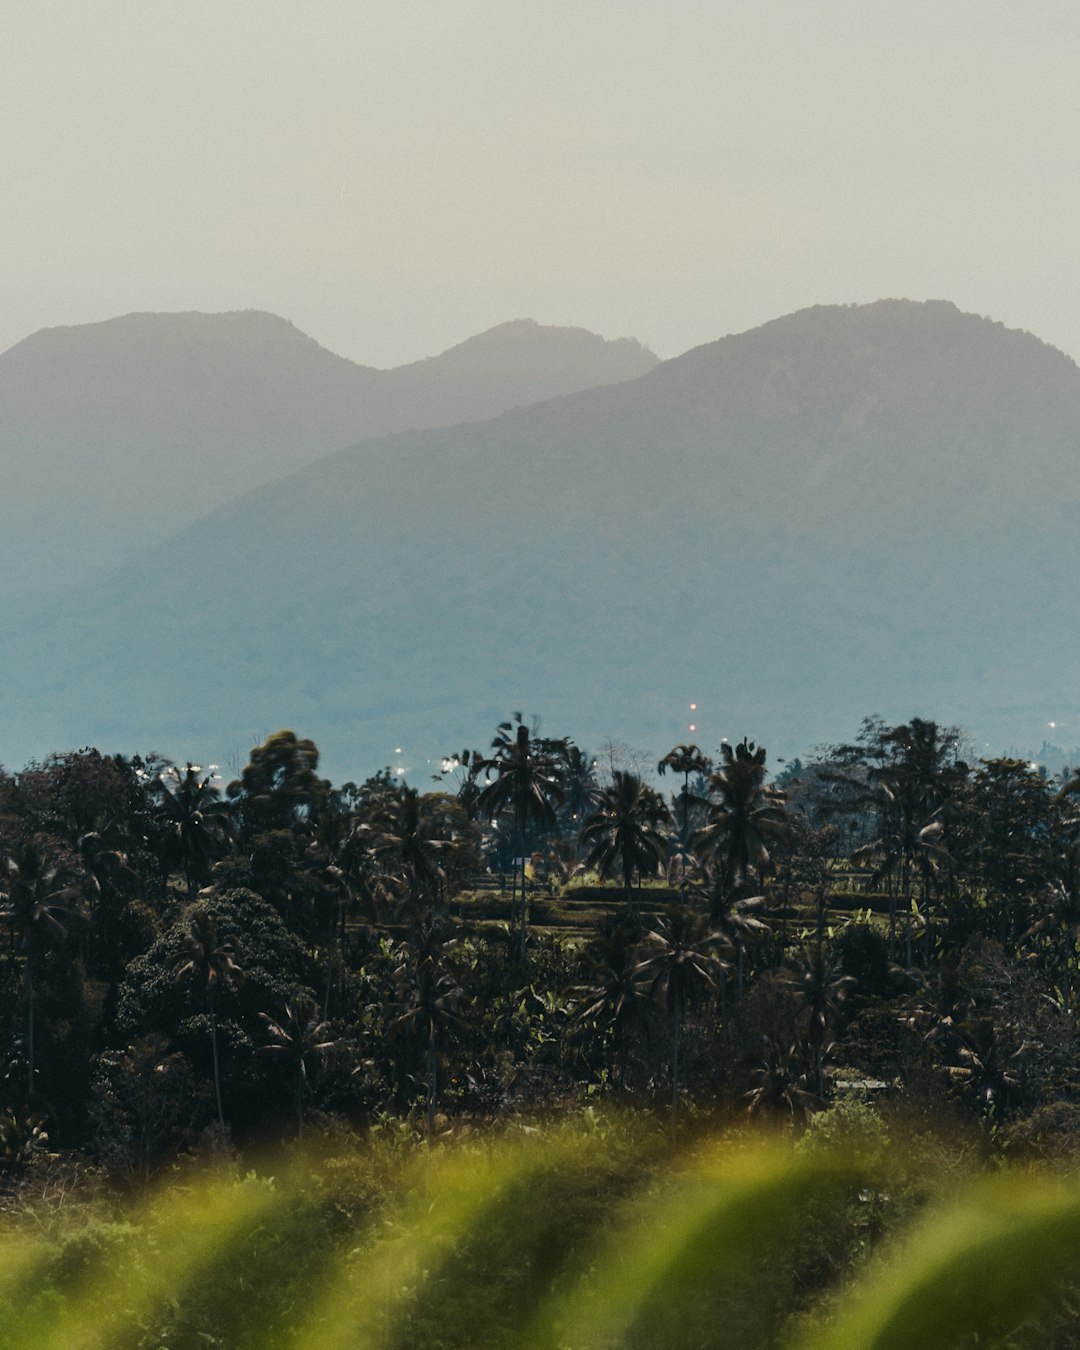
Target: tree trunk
pixel 29 1025
pixel 677 1015
pixel 217 1071
pixel 432 1082
pixel 906 888
pixel 523 904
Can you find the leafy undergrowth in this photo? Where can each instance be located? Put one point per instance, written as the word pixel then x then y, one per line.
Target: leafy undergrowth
pixel 588 1236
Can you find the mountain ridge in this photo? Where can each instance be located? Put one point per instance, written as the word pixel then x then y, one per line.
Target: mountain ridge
pixel 793 529
pixel 114 433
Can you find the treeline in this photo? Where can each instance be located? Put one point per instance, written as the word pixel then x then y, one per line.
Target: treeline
pixel 184 964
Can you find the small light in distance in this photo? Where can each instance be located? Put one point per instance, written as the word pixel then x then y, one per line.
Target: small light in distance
pixel 693 707
pixel 693 727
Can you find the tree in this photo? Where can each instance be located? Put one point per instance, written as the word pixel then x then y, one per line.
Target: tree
pixel 38 904
pixel 580 787
pixel 687 760
pixel 428 998
pixel 679 964
pixel 422 844
pixel 193 822
pixel 277 967
pixel 300 1037
pixel 279 788
pixel 745 816
pixel 916 773
pixel 736 919
pixel 208 963
pixel 819 986
pixel 627 831
pixel 528 785
pixel 614 991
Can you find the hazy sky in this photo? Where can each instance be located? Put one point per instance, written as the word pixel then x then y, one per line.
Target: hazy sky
pixel 396 176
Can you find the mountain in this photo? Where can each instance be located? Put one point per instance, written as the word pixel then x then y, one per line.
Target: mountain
pixel 850 510
pixel 114 434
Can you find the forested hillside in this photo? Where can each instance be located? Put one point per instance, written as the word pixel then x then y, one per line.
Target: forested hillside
pixel 867 507
pixel 114 435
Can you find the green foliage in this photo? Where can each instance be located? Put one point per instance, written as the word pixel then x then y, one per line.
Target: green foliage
pixel 605 1234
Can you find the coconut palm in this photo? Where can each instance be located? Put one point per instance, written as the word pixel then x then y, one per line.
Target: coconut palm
pixel 209 964
pixel 679 965
pixel 627 832
pixel 736 919
pixel 1061 916
pixel 917 772
pixel 819 987
pixel 687 760
pixel 428 999
pixel 614 991
pixel 782 1081
pixel 745 816
pixel 193 820
pixel 300 1038
pixel 527 785
pixel 39 904
pixel 579 785
pixel 408 846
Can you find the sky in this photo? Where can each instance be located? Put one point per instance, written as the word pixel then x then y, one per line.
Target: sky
pixel 397 175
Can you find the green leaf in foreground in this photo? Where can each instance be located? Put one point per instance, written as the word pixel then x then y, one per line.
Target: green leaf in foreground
pixel 968 1275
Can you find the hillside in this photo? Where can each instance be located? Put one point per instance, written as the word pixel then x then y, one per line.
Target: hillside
pixel 114 434
pixel 849 510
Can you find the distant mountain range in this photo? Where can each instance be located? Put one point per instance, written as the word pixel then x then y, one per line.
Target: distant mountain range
pixel 850 510
pixel 115 434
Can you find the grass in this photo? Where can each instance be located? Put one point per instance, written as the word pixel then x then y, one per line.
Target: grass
pixel 591 1236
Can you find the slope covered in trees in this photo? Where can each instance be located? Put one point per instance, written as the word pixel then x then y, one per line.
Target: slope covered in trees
pixel 870 506
pixel 875 952
pixel 114 434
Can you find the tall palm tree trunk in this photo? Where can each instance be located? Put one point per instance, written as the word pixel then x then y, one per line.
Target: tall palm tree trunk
pixel 29 1024
pixel 676 1037
pixel 906 888
pixel 522 918
pixel 217 1067
pixel 432 1081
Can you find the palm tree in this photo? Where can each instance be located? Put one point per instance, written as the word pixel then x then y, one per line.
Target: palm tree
pixel 782 1081
pixel 614 992
pixel 679 965
pixel 38 904
pixel 580 788
pixel 627 831
pixel 918 770
pixel 428 1001
pixel 303 1035
pixel 209 964
pixel 819 987
pixel 687 760
pixel 528 784
pixel 1061 916
pixel 744 817
pixel 736 919
pixel 408 846
pixel 194 821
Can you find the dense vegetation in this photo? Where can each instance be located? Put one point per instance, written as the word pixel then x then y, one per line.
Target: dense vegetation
pixel 875 944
